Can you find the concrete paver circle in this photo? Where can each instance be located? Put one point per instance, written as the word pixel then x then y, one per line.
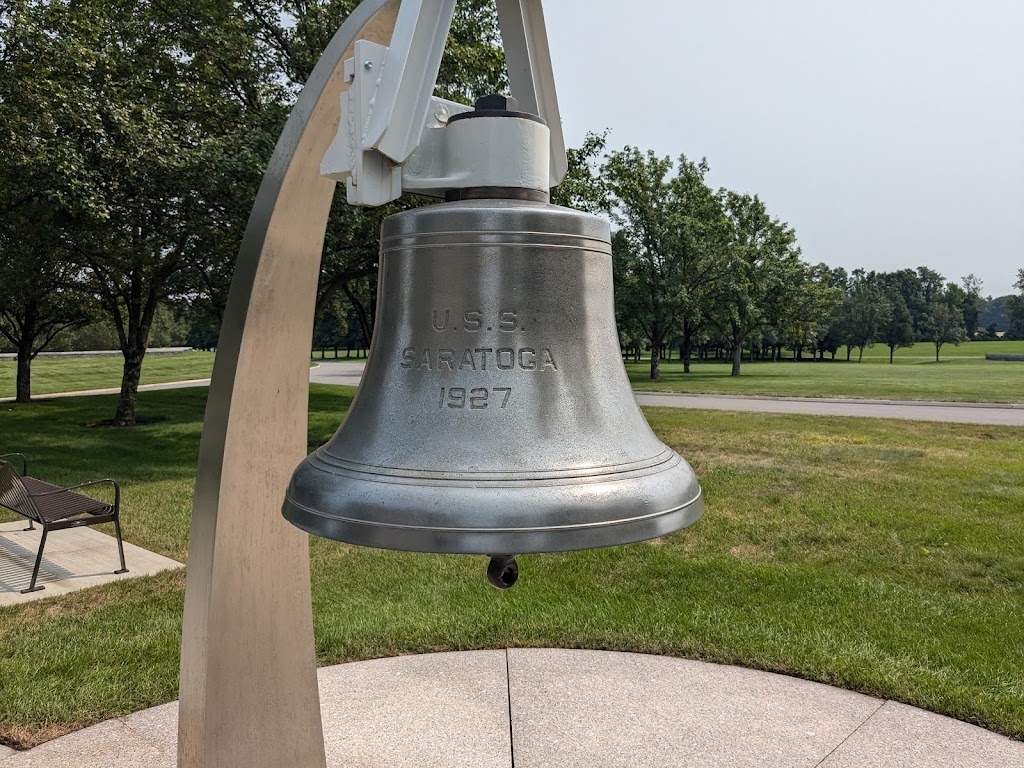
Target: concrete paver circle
pixel 547 707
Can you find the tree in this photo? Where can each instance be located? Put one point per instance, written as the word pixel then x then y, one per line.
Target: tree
pixel 699 234
pixel 833 332
pixel 932 286
pixel 898 326
pixel 36 304
pixel 813 299
pixel 991 332
pixel 945 324
pixel 760 257
pixel 973 304
pixel 1015 309
pixel 908 283
pixel 663 249
pixel 866 312
pixel 331 329
pixel 995 312
pixel 645 271
pixel 583 187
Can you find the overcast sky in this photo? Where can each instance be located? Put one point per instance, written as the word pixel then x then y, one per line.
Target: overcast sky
pixel 889 134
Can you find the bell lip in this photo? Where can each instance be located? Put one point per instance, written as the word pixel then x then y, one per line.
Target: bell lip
pixel 339 466
pixel 486 541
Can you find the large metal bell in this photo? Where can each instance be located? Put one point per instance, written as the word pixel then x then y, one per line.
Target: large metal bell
pixel 494 414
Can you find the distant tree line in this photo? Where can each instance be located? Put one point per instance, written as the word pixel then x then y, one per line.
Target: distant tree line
pixel 713 273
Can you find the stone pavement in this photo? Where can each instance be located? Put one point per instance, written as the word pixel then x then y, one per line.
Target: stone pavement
pixel 528 708
pixel 73 559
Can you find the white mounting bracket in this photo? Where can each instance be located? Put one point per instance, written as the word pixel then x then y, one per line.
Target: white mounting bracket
pixel 393 133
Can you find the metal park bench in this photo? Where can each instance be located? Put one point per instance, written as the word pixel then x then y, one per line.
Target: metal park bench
pixel 55 508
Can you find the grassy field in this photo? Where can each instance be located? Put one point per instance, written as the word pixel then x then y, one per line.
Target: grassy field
pixel 963 375
pixel 926 351
pixel 885 558
pixel 962 378
pixel 80 373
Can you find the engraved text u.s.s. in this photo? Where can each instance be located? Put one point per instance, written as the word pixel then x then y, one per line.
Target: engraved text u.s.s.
pixel 467 359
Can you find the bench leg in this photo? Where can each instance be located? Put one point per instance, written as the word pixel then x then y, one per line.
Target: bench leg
pixel 35 571
pixel 31 526
pixel 120 546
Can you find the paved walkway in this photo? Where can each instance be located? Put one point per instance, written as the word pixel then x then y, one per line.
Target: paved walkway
pixel 115 390
pixel 526 708
pixel 73 559
pixel 964 413
pixel 349 374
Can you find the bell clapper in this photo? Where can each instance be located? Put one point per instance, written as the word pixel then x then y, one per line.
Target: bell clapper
pixel 503 571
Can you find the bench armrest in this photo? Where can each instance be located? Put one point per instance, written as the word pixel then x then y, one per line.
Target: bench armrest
pixel 24 461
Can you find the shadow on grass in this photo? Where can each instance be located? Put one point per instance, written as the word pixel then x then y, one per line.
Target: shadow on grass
pixel 63 444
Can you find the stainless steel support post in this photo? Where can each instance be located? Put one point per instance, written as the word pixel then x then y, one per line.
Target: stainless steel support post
pixel 248 692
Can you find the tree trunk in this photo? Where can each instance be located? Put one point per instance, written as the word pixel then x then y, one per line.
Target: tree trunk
pixel 655 365
pixel 365 322
pixel 23 392
pixel 891 350
pixel 22 334
pixel 128 401
pixel 860 354
pixel 848 351
pixel 737 352
pixel 937 348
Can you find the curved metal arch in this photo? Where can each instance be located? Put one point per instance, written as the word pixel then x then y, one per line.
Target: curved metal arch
pixel 248 690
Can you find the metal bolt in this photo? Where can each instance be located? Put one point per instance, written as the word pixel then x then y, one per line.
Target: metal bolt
pixel 367 65
pixel 496 102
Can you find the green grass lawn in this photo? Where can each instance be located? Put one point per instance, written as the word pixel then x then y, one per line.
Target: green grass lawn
pixel 81 373
pixel 926 351
pixel 887 558
pixel 963 379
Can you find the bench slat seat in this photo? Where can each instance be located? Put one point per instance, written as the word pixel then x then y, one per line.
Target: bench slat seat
pixel 62 505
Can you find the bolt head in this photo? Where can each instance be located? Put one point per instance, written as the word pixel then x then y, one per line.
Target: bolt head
pixel 367 65
pixel 496 103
